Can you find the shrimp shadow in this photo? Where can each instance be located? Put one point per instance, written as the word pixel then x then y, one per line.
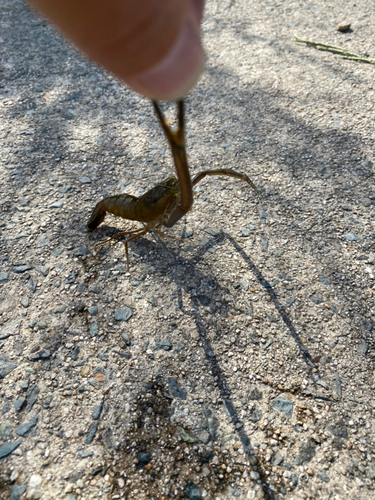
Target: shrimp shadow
pixel 188 268
pixel 306 356
pixel 225 394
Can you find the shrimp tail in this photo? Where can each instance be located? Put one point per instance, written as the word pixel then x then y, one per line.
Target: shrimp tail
pixel 97 217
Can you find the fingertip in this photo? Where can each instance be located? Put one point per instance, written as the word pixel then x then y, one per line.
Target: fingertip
pixel 179 70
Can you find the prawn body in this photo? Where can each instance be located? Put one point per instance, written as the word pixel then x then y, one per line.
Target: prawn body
pixel 154 208
pixel 147 208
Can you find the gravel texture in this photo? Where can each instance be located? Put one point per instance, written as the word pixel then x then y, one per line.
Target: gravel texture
pixel 238 362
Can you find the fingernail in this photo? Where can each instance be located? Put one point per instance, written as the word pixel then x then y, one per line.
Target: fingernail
pixel 178 72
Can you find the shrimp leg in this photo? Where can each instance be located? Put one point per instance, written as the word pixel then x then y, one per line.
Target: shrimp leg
pixel 224 171
pixel 177 144
pixel 120 234
pixel 136 234
pixel 163 235
pixel 141 233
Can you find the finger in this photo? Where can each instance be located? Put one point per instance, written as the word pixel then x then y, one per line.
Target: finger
pixel 154 46
pixel 199 7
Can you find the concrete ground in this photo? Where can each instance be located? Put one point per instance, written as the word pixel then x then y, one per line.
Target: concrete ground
pixel 237 361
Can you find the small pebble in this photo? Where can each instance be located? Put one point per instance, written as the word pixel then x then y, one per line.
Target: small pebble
pixel 17 491
pixel 85 371
pixel 23 429
pixel 93 329
pixel 125 337
pixel 244 285
pixel 123 314
pixel 6 367
pixel 22 268
pixel 264 242
pixel 85 454
pixel 97 411
pixel 307 452
pixel 192 492
pixel 60 309
pixel 210 231
pixel 25 302
pixel 143 458
pixel 363 348
pixel 344 26
pixel 152 300
pixel 323 477
pixel 325 280
pixel 19 403
pixel 75 353
pixel 185 436
pixel 351 237
pixel 9 448
pixel 24 384
pixel 284 405
pixel 91 433
pixel 93 310
pixel 85 180
pixel 32 396
pixel 43 270
pixel 176 389
pixel 289 301
pixel 82 251
pixel 56 204
pixel 41 355
pixel 32 285
pixel 42 242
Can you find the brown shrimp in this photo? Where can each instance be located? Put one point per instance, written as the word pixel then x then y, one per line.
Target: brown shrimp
pixel 153 208
pixel 167 202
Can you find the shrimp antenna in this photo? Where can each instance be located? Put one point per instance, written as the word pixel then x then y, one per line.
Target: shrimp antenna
pixel 166 166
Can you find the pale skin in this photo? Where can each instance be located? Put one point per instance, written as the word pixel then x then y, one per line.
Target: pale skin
pixel 153 46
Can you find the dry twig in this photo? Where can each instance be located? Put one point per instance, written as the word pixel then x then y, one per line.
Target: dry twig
pixel 344 53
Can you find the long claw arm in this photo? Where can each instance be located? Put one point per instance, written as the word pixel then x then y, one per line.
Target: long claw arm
pixel 177 143
pixel 224 171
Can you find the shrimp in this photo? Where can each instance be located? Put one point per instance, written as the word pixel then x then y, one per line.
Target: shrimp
pixel 153 208
pixel 165 203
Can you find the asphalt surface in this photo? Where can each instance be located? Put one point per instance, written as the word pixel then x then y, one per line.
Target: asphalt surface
pixel 233 362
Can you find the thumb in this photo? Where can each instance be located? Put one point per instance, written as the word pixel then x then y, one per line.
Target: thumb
pixel 154 46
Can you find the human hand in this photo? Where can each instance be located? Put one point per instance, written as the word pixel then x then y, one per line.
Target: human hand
pixel 153 46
